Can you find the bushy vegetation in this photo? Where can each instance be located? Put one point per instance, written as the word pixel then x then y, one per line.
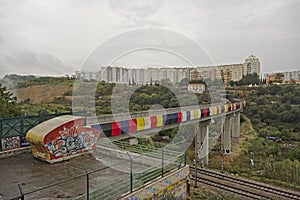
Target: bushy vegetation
pixel 275 115
pixel 30 80
pixel 275 111
pixel 8 104
pixel 144 97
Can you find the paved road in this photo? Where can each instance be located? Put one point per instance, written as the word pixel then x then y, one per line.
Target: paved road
pixel 32 174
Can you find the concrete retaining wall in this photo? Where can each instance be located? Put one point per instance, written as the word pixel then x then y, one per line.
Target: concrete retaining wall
pixel 174 185
pixel 13 152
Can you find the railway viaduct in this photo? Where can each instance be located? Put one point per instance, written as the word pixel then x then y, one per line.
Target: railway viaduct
pixel 125 126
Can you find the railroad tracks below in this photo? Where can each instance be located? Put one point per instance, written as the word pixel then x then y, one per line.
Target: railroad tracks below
pixel 239 186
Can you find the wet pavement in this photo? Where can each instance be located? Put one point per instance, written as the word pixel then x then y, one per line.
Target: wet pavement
pixel 32 174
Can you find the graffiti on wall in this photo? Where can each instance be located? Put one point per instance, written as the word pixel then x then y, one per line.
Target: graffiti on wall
pixel 175 184
pixel 10 143
pixel 23 141
pixel 71 141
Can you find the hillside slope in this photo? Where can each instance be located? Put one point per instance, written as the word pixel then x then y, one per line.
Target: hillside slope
pixel 42 93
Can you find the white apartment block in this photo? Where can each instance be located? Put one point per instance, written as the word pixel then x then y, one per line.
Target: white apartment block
pixel 230 72
pixel 251 65
pixel 292 75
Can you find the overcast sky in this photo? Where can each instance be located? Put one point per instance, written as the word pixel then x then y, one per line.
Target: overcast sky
pixel 54 37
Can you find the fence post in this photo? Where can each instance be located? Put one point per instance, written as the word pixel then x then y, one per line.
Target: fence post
pixel 162 162
pixel 41 116
pixel 196 185
pixel 21 192
pixel 131 175
pixel 1 130
pixel 21 127
pixel 87 183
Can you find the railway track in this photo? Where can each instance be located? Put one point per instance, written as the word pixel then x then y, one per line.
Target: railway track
pixel 241 187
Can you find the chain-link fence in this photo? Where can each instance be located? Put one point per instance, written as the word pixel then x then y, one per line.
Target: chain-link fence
pixel 92 184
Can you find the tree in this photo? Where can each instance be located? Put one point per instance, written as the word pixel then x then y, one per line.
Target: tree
pixel 8 104
pixel 250 79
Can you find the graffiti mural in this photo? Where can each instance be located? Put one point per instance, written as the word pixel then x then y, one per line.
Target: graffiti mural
pixel 175 184
pixel 10 143
pixel 71 141
pixel 62 138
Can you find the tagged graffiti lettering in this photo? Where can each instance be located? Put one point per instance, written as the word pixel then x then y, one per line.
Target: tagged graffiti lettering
pixel 10 143
pixel 23 141
pixel 71 141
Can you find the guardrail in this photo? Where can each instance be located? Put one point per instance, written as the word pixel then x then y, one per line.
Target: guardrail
pixel 126 116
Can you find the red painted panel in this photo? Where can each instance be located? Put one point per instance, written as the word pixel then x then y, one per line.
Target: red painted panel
pixel 180 117
pixel 132 125
pixel 115 128
pixel 205 112
pixel 153 120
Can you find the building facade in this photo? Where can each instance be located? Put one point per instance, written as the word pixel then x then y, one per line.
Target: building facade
pixel 292 76
pixel 196 87
pixel 251 65
pixel 229 72
pixel 283 77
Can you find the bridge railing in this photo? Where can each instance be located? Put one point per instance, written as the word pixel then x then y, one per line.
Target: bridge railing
pixel 112 190
pixel 126 116
pixel 138 148
pixel 138 179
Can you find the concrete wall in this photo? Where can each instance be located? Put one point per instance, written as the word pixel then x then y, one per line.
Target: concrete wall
pixel 175 184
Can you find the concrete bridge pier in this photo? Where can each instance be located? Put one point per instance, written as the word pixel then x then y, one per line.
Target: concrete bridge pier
pixel 226 126
pixel 235 127
pixel 201 142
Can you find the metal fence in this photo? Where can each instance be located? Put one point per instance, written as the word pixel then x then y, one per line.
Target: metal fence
pixel 13 130
pixel 166 162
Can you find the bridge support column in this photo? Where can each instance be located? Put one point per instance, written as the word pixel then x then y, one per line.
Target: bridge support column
pixel 201 142
pixel 235 127
pixel 227 135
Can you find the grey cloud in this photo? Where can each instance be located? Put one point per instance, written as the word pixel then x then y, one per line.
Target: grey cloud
pixel 29 62
pixel 137 13
pixel 68 30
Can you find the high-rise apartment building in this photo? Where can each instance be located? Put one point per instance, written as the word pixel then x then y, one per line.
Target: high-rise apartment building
pixel 251 65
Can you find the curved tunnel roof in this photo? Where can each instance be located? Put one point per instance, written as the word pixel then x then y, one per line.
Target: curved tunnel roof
pixel 37 133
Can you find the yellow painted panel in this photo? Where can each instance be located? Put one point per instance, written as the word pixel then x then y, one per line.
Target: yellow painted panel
pixel 212 110
pixel 140 124
pixel 160 120
pixel 226 108
pixel 196 114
